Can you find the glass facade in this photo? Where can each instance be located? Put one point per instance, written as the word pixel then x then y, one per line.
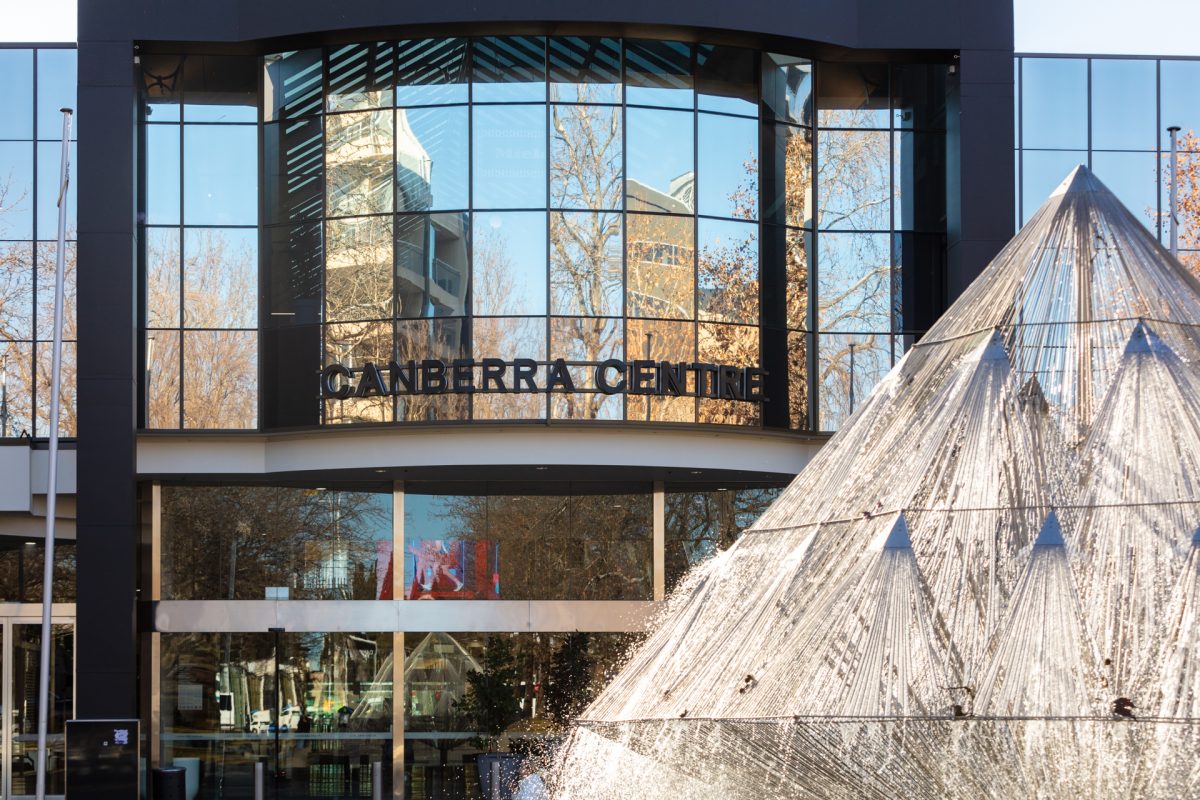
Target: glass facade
pixel 1112 114
pixel 34 85
pixel 427 209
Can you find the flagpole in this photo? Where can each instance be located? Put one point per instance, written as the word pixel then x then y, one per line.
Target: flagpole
pixel 64 177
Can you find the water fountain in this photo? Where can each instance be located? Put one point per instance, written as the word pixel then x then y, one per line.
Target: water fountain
pixel 987 584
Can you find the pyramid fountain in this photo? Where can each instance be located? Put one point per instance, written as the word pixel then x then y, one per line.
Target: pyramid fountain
pixel 986 585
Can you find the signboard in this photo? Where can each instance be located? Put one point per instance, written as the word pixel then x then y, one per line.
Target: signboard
pixel 614 376
pixel 102 759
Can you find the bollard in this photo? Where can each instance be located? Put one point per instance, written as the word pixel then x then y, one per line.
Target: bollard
pixel 259 794
pixel 377 780
pixel 170 783
pixel 496 781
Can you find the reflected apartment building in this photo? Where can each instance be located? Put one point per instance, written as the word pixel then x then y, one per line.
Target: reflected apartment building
pixel 421 353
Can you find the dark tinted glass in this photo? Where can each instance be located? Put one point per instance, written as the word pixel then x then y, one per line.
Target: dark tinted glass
pixel 787 88
pixel 431 71
pixel 726 79
pixel 294 181
pixel 293 85
pixel 295 266
pixel 220 89
pixel 361 76
pixel 585 69
pixel 659 73
pixel 852 95
pixel 509 69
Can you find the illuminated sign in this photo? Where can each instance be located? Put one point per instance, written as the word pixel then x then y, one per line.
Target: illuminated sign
pixel 525 375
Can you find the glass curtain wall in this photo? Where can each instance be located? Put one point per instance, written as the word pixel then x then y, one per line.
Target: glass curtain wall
pixel 34 85
pixel 1112 114
pixel 437 203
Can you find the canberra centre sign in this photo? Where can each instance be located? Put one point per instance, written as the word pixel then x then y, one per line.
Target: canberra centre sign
pixel 522 375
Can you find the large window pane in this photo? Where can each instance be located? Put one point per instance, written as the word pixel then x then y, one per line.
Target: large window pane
pixel 294 183
pixel 66 391
pixel 660 161
pixel 358 163
pixel 1123 107
pixel 699 524
pixel 431 158
pixel 23 717
pixel 585 70
pixel 569 546
pixel 16 94
pixel 1180 93
pixel 220 379
pixel 330 714
pixel 358 269
pixel 46 266
pixel 163 384
pixel 725 79
pixel 585 342
pixel 16 365
pixel 353 345
pixel 731 345
pixel 220 278
pixel 850 365
pixel 431 71
pixel 727 270
pixel 57 76
pixel 220 175
pixel 787 88
pixel 799 345
pixel 417 340
pixel 361 76
pixel 919 96
pixel 509 338
pixel 220 89
pixel 21 563
pixel 292 86
pixel 658 340
pixel 854 180
pixel 852 95
pixel 509 156
pixel 1132 178
pixel 235 542
pixel 659 74
pixel 660 266
pixel 1041 172
pixel 585 263
pixel 16 290
pixel 1054 107
pixel 162 174
pixel 509 275
pixel 16 190
pixel 854 280
pixel 295 267
pixel 585 157
pixel 509 69
pixel 49 168
pixel 787 177
pixel 432 268
pixel 728 166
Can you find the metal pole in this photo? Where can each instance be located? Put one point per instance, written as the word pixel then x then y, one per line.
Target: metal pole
pixel 52 478
pixel 852 377
pixel 258 781
pixel 278 710
pixel 376 780
pixel 1174 131
pixel 4 397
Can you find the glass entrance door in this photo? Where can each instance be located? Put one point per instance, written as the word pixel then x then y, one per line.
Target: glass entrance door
pixel 21 654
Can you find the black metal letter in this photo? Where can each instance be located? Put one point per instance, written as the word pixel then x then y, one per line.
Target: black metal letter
pixel 329 389
pixel 464 375
pixel 560 375
pixel 493 373
pixel 602 376
pixel 433 376
pixel 523 371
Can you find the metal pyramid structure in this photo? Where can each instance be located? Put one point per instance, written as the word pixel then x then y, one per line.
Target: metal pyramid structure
pixel 986 585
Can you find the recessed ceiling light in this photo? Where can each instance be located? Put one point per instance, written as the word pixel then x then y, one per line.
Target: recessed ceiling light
pixel 381 470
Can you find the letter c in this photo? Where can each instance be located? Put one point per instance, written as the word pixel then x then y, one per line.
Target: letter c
pixel 328 385
pixel 602 376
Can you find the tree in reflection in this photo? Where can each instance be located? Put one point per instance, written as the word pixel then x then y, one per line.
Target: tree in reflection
pixel 700 524
pixel 220 282
pixel 1187 178
pixel 558 547
pixel 231 542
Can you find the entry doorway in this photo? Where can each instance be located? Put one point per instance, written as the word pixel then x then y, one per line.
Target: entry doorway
pixel 22 638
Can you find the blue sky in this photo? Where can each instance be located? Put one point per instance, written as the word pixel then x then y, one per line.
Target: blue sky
pixel 1145 27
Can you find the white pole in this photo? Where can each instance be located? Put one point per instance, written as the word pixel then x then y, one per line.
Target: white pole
pixel 52 477
pixel 1174 131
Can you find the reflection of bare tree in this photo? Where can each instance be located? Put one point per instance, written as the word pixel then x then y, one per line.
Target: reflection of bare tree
pixel 219 362
pixel 699 524
pixel 232 542
pixel 1187 177
pixel 572 547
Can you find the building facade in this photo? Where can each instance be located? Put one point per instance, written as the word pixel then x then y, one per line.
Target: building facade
pixel 421 353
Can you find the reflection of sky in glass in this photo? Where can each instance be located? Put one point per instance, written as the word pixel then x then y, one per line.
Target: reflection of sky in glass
pixel 510 263
pixel 220 180
pixel 1123 113
pixel 437 153
pixel 1042 172
pixel 162 174
pixel 658 150
pixel 1133 178
pixel 1180 87
pixel 16 94
pixel 56 78
pixel 728 159
pixel 16 177
pixel 48 167
pixel 1054 102
pixel 509 156
pixel 854 281
pixel 219 265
